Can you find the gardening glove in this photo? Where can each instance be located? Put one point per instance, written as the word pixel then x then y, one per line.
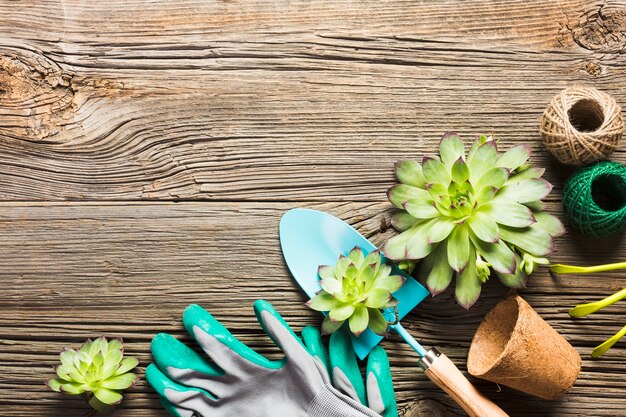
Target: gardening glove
pixel 340 360
pixel 240 382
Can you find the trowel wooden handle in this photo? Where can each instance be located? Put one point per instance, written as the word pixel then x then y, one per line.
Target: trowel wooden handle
pixel 447 376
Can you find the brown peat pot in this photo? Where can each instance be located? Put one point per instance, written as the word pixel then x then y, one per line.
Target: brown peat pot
pixel 514 346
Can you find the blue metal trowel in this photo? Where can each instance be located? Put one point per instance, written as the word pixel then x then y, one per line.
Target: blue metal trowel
pixel 310 238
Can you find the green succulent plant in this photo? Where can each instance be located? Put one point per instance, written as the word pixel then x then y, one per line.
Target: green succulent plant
pixel 356 289
pixel 98 371
pixel 467 216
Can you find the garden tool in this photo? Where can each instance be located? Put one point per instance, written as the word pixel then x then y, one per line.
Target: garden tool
pixel 237 381
pixel 583 310
pixel 310 238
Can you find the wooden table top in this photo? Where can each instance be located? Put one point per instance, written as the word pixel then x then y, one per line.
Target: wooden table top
pixel 148 150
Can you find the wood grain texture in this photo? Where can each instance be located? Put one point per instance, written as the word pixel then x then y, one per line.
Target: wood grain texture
pixel 148 150
pixel 222 100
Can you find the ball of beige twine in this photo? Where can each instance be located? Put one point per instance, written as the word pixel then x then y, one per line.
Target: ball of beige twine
pixel 582 125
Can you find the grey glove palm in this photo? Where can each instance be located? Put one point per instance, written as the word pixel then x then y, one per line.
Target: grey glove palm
pixel 240 382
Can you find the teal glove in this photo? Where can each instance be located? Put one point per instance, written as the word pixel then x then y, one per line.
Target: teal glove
pixel 377 392
pixel 240 382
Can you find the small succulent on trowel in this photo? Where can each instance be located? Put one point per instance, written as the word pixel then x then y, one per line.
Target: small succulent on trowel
pixel 356 289
pixel 467 216
pixel 98 371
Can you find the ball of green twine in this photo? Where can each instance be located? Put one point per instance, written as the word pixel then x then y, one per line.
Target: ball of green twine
pixel 594 199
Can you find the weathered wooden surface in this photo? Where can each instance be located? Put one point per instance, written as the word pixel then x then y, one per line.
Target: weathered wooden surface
pixel 148 150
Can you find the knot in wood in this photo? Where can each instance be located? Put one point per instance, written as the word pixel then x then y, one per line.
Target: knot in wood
pixel 602 29
pixel 35 96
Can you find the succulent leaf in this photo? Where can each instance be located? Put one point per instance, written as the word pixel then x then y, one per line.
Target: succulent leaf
pixel 459 248
pixel 484 227
pixel 421 209
pixel 359 320
pixel 341 266
pixel 528 174
pixel 483 160
pixel 485 196
pixel 126 365
pixel 440 275
pixel 530 239
pixel 54 384
pixel 495 177
pixel 395 248
pixel 401 221
pixel 401 193
pixel 410 173
pixel 460 171
pixel 514 157
pixel 341 312
pixel 418 246
pixel 515 280
pixel 440 229
pixel 498 254
pixel 435 172
pixel 390 283
pixel 326 271
pixel 119 382
pixel 323 302
pixel 356 255
pixel 468 285
pixel 524 191
pixel 377 321
pixel 378 298
pixel 464 217
pixel 508 213
pixel 108 396
pixel 331 285
pixel 358 289
pixel 451 148
pixel 410 244
pixel 330 326
pixel 373 259
pixel 549 224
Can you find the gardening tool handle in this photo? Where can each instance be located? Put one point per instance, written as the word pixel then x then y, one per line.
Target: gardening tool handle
pixel 444 373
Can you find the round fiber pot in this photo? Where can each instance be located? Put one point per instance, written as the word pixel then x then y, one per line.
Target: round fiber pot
pixel 514 346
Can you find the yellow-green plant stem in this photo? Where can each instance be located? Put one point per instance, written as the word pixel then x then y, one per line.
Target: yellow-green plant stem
pixel 586 309
pixel 573 269
pixel 601 350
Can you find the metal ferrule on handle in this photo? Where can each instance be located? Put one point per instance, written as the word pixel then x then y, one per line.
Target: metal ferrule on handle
pixel 427 360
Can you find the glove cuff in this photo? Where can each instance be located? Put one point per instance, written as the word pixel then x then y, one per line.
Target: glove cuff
pixel 331 403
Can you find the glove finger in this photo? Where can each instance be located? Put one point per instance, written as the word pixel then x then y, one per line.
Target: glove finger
pixel 380 394
pixel 313 342
pixel 346 373
pixel 181 399
pixel 218 343
pixel 279 331
pixel 183 365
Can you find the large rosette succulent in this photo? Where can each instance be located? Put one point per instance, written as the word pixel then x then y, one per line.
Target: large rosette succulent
pixel 467 216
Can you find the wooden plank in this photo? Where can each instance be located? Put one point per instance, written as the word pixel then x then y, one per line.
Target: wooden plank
pixel 276 100
pixel 71 271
